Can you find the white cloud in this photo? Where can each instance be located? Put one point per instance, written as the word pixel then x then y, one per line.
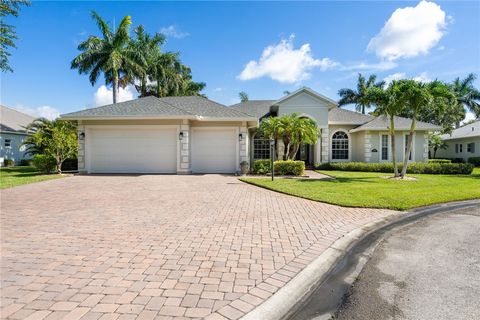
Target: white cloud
pixel 39 112
pixel 174 32
pixel 396 76
pixel 380 66
pixel 217 89
pixel 468 117
pixel 422 77
pixel 284 63
pixel 410 31
pixel 104 95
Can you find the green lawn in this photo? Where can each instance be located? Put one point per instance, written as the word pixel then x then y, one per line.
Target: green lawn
pixel 366 189
pixel 15 176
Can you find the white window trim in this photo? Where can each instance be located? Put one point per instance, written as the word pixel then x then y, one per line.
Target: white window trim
pixel 412 152
pixel 349 146
pixel 389 153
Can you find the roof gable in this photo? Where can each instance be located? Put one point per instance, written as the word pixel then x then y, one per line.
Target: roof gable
pixel 312 95
pixel 14 121
pixel 467 131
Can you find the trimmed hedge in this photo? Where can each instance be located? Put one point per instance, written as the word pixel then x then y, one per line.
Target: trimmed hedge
pixel 414 167
pixel 289 167
pixel 26 162
pixel 8 162
pixel 475 161
pixel 439 161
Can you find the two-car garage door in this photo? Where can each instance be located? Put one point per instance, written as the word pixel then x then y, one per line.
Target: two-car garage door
pixel 153 149
pixel 132 150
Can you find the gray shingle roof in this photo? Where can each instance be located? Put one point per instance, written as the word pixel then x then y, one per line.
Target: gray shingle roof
pixel 13 121
pixel 182 107
pixel 383 123
pixel 468 131
pixel 343 116
pixel 257 108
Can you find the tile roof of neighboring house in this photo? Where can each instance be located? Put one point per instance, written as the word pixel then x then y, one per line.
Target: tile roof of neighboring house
pixel 257 108
pixel 168 107
pixel 342 116
pixel 13 121
pixel 383 123
pixel 467 131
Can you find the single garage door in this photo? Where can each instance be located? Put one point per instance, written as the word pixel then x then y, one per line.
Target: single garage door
pixel 214 150
pixel 132 150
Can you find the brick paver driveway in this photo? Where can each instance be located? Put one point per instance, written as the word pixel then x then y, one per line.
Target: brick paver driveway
pixel 153 246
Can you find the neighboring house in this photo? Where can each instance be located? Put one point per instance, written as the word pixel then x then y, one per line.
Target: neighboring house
pixel 197 135
pixel 463 143
pixel 12 134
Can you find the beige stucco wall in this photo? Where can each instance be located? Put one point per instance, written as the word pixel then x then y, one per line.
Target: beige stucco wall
pixel 306 105
pixel 450 151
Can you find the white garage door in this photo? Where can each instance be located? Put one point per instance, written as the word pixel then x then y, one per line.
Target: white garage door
pixel 132 150
pixel 214 150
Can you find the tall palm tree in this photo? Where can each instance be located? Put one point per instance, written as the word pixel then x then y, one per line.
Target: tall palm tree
pixel 358 97
pixel 110 55
pixel 466 94
pixel 419 96
pixel 388 102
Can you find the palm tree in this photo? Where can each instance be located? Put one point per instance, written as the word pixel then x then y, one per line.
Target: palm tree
pixel 358 97
pixel 272 129
pixel 110 55
pixel 243 96
pixel 466 94
pixel 149 48
pixel 419 96
pixel 388 102
pixel 436 143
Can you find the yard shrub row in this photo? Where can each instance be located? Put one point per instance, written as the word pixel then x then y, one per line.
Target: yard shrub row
pixel 439 161
pixel 475 161
pixel 289 167
pixel 415 167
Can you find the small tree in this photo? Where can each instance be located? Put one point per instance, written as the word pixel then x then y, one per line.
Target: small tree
pixel 243 96
pixel 53 138
pixel 436 143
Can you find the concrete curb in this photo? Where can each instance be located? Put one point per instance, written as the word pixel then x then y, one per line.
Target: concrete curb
pixel 284 302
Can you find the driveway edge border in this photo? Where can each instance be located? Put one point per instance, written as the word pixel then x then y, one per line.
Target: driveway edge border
pixel 284 302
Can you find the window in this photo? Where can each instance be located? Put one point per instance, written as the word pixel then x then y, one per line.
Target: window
pixel 261 149
pixel 407 141
pixel 471 147
pixel 460 147
pixel 340 146
pixel 384 147
pixel 8 143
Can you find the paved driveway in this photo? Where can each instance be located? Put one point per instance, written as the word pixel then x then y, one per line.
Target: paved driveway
pixel 153 246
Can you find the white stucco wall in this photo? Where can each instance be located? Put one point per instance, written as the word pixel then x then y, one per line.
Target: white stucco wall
pixel 450 151
pixel 306 105
pixel 16 151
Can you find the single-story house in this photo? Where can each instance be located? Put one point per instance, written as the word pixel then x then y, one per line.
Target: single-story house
pixel 13 134
pixel 462 143
pixel 196 135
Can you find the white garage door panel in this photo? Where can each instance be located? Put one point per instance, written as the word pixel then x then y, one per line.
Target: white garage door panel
pixel 214 150
pixel 133 150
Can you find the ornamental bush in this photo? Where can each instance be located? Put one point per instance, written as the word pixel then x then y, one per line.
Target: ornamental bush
pixel 439 161
pixel 414 167
pixel 288 167
pixel 475 161
pixel 44 163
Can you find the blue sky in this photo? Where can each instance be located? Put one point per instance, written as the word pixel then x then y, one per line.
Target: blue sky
pixel 262 48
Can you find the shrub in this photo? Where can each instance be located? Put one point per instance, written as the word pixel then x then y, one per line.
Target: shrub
pixel 26 162
pixel 414 167
pixel 44 163
pixel 289 167
pixel 475 161
pixel 439 161
pixel 457 160
pixel 8 162
pixel 261 166
pixel 70 165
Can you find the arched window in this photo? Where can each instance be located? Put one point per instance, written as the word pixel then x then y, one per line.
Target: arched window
pixel 340 146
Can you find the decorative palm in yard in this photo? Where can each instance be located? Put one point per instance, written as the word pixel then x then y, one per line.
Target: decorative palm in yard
pixel 292 130
pixel 359 97
pixel 110 55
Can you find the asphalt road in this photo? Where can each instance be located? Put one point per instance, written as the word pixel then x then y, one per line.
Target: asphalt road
pixel 426 270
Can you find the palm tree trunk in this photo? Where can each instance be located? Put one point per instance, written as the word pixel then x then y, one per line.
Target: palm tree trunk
pixel 394 152
pixel 143 88
pixel 159 88
pixel 115 88
pixel 409 148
